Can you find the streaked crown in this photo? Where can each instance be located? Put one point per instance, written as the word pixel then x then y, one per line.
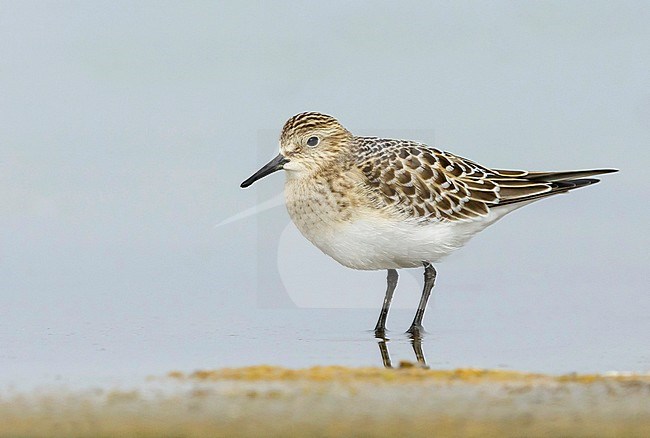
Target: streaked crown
pixel 311 140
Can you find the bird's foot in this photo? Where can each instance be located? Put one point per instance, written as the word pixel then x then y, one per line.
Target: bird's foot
pixel 416 331
pixel 380 333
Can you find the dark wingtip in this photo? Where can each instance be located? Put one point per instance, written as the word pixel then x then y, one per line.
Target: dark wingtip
pixel 583 182
pixel 571 184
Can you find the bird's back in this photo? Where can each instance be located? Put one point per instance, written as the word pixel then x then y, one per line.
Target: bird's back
pixel 424 184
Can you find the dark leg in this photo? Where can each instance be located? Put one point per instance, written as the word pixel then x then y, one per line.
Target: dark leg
pixel 391 280
pixel 419 354
pixel 385 357
pixel 416 328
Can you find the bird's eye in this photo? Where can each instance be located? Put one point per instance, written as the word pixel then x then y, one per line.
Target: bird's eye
pixel 312 141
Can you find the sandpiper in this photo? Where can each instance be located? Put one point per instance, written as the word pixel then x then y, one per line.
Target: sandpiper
pixel 373 203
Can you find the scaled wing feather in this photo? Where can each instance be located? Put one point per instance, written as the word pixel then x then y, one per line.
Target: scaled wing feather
pixel 426 184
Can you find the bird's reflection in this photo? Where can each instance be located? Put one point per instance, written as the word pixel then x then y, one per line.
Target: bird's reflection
pixel 416 344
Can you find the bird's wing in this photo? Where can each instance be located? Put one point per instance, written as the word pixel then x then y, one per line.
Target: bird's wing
pixel 564 175
pixel 426 184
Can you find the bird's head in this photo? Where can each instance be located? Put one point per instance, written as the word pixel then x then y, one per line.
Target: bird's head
pixel 309 142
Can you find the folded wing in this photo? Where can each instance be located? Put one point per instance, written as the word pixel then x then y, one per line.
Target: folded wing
pixel 426 184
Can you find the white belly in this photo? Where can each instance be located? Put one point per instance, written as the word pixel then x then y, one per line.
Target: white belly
pixel 371 245
pixel 376 243
pixel 367 239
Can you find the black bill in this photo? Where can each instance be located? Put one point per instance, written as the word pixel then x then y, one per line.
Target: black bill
pixel 275 164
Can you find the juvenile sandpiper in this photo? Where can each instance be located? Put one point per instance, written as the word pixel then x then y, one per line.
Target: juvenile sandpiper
pixel 373 203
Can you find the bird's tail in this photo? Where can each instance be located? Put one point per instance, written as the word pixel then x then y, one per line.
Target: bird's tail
pixel 519 186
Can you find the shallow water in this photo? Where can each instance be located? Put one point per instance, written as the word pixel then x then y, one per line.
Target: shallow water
pixel 110 353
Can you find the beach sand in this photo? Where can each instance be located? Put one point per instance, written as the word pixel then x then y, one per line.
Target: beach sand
pixel 333 401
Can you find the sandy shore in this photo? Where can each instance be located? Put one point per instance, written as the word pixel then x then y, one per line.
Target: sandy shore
pixel 340 401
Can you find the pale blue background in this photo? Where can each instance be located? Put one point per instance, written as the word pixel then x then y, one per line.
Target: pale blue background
pixel 126 128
